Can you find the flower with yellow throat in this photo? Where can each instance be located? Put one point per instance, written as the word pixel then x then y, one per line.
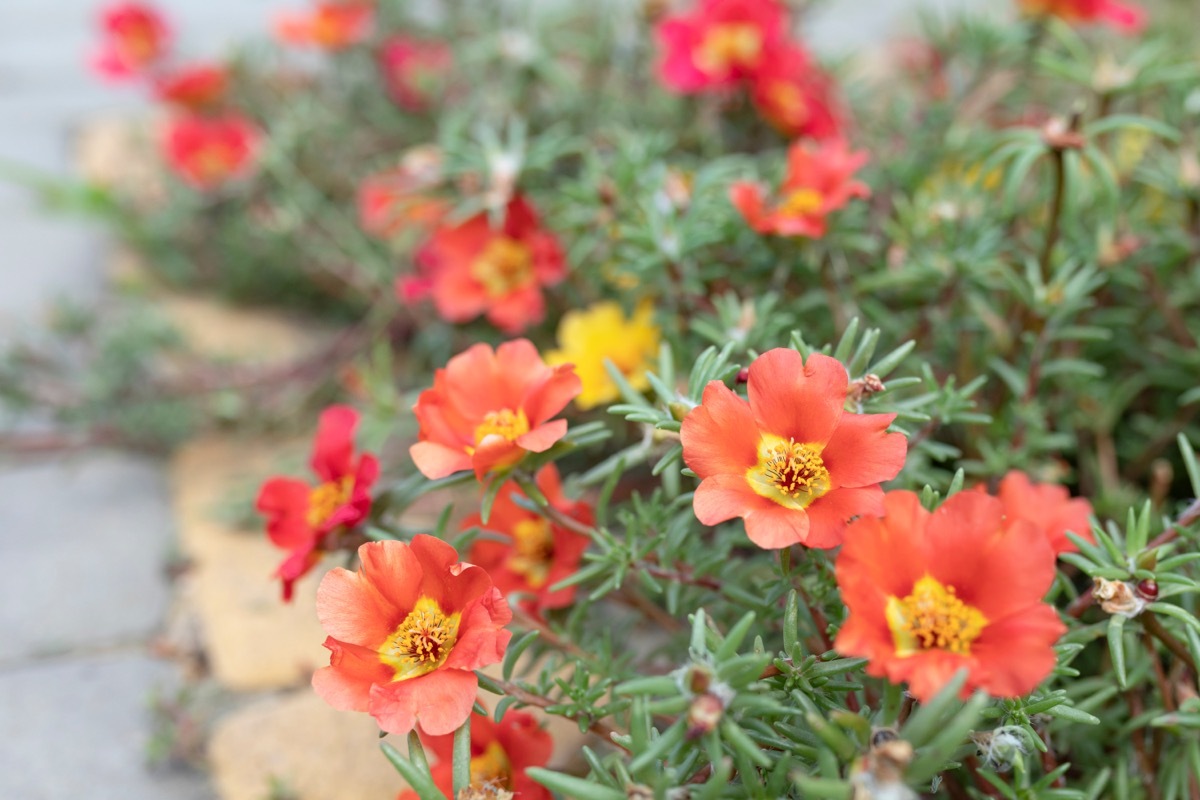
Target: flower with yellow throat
pixel 587 338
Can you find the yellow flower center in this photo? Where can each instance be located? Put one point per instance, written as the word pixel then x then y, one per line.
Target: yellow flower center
pixel 140 41
pixel 505 422
pixel 422 641
pixel 533 549
pixel 788 101
pixel 213 161
pixel 788 472
pixel 727 46
pixel 491 768
pixel 504 266
pixel 932 618
pixel 328 498
pixel 802 201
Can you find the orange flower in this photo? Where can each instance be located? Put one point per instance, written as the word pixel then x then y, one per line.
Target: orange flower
pixel 472 269
pixel 301 517
pixel 500 754
pixel 487 409
pixel 390 201
pixel 930 594
pixel 1047 506
pixel 718 43
pixel 198 87
pixel 1125 17
pixel 791 461
pixel 136 39
pixel 795 95
pixel 819 181
pixel 329 25
pixel 406 632
pixel 413 68
pixel 207 152
pixel 537 553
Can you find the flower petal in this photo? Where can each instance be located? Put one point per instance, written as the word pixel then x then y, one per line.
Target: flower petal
pixel 797 400
pixel 861 452
pixel 442 700
pixel 719 436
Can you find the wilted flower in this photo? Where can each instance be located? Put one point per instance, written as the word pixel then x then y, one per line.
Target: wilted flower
pixel 718 43
pixel 538 553
pixel 136 39
pixel 472 269
pixel 487 410
pixel 602 332
pixel 198 87
pixel 300 517
pixel 406 632
pixel 207 152
pixel 961 587
pixel 412 68
pixel 819 181
pixel 791 462
pixel 1125 17
pixel 329 24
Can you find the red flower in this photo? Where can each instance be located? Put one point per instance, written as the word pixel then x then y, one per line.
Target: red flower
pixel 795 95
pixel 412 68
pixel 329 25
pixel 719 43
pixel 487 409
pixel 391 200
pixel 930 594
pixel 300 517
pixel 500 753
pixel 1125 17
pixel 819 181
pixel 406 633
pixel 791 461
pixel 136 39
pixel 473 268
pixel 537 553
pixel 1048 507
pixel 198 87
pixel 209 151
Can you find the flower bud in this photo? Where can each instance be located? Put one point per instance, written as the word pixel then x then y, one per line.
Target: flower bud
pixel 704 715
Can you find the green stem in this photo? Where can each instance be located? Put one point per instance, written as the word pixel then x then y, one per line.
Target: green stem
pixel 462 757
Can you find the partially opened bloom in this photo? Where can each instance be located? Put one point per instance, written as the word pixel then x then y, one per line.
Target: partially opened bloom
pixel 719 43
pixel 136 39
pixel 602 332
pixel 500 754
pixel 1125 17
pixel 487 410
pixel 208 151
pixel 795 95
pixel 413 68
pixel 302 517
pixel 819 181
pixel 406 632
pixel 395 199
pixel 536 553
pixel 328 25
pixel 473 268
pixel 932 593
pixel 1047 506
pixel 791 462
pixel 197 87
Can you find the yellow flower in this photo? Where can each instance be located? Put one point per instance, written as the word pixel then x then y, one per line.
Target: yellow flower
pixel 587 338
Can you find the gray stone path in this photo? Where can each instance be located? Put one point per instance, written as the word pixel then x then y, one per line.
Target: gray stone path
pixel 83 539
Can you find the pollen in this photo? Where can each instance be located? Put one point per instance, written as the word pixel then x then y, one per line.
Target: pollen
pixel 503 267
pixel 729 46
pixel 505 422
pixel 789 472
pixel 533 551
pixel 802 201
pixel 933 618
pixel 328 498
pixel 421 643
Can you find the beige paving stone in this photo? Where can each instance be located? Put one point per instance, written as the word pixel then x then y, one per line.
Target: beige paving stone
pixel 252 639
pixel 298 742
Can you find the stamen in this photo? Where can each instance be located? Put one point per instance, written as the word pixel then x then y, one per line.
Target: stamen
pixel 504 266
pixel 726 46
pixel 505 422
pixel 421 643
pixel 789 472
pixel 933 618
pixel 533 551
pixel 328 498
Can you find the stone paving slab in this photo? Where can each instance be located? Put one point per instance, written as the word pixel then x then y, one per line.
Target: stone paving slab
pixel 84 540
pixel 77 729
